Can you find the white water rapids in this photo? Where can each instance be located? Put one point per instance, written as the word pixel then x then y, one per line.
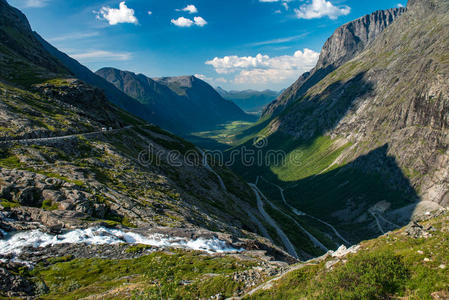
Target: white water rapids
pixel 16 242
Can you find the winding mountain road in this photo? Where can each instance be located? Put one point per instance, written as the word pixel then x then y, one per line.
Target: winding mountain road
pixel 300 213
pixel 253 218
pixel 63 137
pixel 378 217
pixel 209 168
pixel 287 244
pixel 377 221
pixel 313 239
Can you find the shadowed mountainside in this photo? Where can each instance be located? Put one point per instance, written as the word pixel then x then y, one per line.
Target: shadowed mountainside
pixel 390 98
pixel 188 102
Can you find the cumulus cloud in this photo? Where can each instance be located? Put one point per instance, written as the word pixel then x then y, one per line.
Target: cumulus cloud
pixel 202 77
pixel 150 12
pixel 186 22
pixel 400 5
pixel 199 21
pixel 263 68
pixel 321 8
pixel 182 22
pixel 191 9
pixel 115 16
pixel 211 80
pixel 101 55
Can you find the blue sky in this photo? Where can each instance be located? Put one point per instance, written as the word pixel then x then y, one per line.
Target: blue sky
pixel 236 44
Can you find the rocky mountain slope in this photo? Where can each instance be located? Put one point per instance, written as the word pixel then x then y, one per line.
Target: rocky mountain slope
pixel 346 42
pixel 79 175
pixel 22 58
pixel 249 100
pixel 113 94
pixel 187 103
pixel 366 145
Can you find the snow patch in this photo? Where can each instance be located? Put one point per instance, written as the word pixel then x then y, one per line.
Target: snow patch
pixel 15 243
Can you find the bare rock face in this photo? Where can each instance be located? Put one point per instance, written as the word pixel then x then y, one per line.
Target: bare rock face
pixel 352 38
pixel 394 94
pixel 346 42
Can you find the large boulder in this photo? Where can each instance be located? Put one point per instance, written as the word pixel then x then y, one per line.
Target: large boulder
pixel 30 196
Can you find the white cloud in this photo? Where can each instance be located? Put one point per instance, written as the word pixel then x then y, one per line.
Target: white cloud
pixel 199 21
pixel 74 36
pixel 182 22
pixel 191 9
pixel 263 68
pixel 202 77
pixel 279 41
pixel 101 55
pixel 285 4
pixel 400 5
pixel 221 80
pixel 150 12
pixel 29 3
pixel 271 1
pixel 36 3
pixel 321 8
pixel 186 22
pixel 211 80
pixel 115 16
pixel 259 76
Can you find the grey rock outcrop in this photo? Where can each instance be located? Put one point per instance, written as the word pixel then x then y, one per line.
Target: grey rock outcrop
pixel 346 42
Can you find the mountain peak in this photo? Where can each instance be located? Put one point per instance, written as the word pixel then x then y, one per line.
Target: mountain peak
pixel 353 37
pixel 347 41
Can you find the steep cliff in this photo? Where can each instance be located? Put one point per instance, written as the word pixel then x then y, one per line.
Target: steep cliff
pixel 346 42
pixel 370 137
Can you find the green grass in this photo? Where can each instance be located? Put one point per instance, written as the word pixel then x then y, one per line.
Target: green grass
pixel 389 267
pixel 309 159
pixel 59 82
pixel 8 204
pixel 49 205
pixel 10 162
pixel 153 276
pixel 226 133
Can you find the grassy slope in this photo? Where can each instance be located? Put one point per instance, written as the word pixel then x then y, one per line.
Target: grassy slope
pixel 391 266
pixel 152 276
